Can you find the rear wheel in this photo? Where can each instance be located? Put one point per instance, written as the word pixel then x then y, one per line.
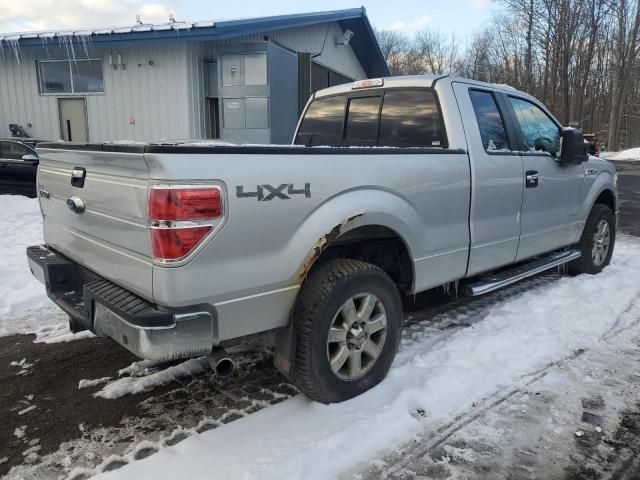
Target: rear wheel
pixel 348 323
pixel 597 241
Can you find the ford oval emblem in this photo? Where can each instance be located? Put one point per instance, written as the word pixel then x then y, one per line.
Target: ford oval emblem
pixel 76 204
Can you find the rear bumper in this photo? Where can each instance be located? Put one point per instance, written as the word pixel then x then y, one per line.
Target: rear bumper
pixel 93 303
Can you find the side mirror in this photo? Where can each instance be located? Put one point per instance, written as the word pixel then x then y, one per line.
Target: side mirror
pixel 30 157
pixel 574 149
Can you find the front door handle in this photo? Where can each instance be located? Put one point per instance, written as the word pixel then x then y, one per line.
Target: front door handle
pixel 531 178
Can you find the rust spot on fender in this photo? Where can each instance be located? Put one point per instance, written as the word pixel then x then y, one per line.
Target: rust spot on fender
pixel 322 243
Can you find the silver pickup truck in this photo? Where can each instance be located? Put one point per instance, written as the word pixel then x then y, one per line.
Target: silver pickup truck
pixel 393 186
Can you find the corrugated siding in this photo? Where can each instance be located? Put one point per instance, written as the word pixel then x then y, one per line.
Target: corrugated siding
pixel 153 95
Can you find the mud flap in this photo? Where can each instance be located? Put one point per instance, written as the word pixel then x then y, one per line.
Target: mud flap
pixel 285 353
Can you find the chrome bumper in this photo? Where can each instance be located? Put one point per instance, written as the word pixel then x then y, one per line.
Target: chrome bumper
pixel 191 335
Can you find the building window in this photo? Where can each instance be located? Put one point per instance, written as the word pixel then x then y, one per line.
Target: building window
pixel 322 77
pixel 70 76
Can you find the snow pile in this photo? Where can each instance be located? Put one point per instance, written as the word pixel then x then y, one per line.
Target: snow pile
pixel 24 305
pixel 441 374
pixel 20 227
pixel 632 155
pixel 93 383
pixel 138 384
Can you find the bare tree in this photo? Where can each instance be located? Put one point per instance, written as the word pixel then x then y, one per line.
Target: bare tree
pixel 394 46
pixel 580 57
pixel 437 52
pixel 627 50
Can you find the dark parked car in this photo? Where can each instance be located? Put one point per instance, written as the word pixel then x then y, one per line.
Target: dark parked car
pixel 18 167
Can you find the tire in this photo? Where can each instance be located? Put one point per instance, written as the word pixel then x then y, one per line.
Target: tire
pixel 335 294
pixel 593 258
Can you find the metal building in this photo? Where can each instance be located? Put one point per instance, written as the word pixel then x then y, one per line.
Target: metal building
pixel 237 80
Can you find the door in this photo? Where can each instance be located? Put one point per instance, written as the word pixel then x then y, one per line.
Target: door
pixel 496 179
pixel 18 168
pixel 552 193
pixel 73 119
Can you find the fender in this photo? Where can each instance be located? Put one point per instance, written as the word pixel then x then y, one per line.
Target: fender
pixel 345 211
pixel 604 181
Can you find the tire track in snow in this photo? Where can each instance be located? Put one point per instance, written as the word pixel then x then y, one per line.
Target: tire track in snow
pixel 442 434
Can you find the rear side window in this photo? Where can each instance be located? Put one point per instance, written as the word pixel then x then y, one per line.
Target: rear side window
pixel 410 118
pixel 492 131
pixel 362 121
pixel 539 132
pixel 322 124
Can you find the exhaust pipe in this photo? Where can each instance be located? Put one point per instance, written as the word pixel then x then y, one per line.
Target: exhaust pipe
pixel 221 362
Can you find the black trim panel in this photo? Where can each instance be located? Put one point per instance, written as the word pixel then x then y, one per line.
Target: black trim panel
pixel 252 150
pixel 93 147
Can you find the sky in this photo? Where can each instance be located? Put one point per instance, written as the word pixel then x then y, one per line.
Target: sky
pixel 451 16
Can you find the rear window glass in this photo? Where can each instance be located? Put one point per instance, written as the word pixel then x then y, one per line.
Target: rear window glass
pixel 410 118
pixel 492 131
pixel 322 124
pixel 362 121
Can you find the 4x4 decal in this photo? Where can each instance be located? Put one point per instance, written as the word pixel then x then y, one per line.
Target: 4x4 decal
pixel 265 193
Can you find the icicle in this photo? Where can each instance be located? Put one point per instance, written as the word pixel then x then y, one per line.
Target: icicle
pixel 15 47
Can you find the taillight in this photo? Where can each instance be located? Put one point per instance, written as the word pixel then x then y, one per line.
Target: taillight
pixel 185 204
pixel 181 217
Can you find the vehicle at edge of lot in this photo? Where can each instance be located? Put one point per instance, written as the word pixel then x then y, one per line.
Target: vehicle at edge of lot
pixel 594 143
pixel 393 186
pixel 18 167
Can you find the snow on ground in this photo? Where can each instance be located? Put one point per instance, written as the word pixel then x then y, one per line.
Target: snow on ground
pixel 632 155
pixel 441 374
pixel 24 305
pixel 20 227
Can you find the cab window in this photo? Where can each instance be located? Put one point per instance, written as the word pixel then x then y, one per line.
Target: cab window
pixel 410 118
pixel 362 121
pixel 539 132
pixel 322 124
pixel 490 122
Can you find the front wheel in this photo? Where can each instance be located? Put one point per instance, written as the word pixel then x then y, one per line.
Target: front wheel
pixel 348 322
pixel 597 241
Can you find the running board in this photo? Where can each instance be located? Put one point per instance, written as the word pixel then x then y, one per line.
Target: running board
pixel 520 272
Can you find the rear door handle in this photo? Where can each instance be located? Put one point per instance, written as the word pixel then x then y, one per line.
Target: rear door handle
pixel 531 178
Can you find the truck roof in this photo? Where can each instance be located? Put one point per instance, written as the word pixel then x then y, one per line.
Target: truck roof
pixel 420 81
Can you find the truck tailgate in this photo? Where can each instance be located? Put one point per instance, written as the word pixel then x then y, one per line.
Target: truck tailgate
pixel 110 236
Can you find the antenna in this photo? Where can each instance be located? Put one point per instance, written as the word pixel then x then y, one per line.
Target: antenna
pixel 172 19
pixel 138 20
